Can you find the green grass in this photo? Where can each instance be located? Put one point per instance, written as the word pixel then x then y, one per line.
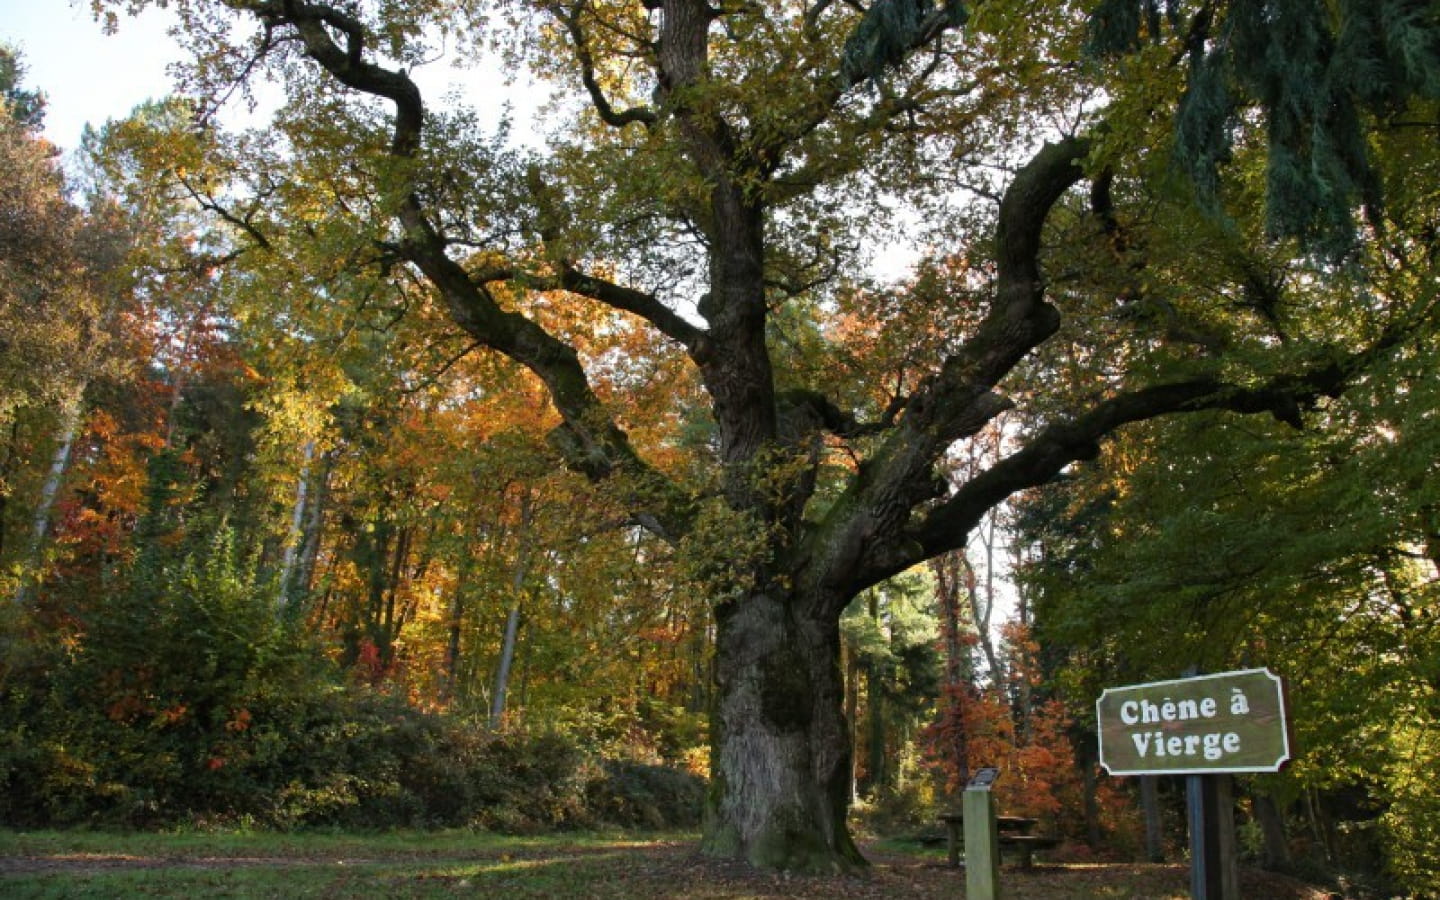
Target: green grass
pixel 292 844
pixel 596 866
pixel 399 864
pixel 552 877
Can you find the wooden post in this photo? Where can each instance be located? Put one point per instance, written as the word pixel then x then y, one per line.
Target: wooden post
pixel 1214 874
pixel 982 845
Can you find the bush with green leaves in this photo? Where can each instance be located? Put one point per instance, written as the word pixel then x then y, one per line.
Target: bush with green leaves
pixel 185 698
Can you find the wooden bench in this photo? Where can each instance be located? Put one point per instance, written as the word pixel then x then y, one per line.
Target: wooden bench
pixel 1027 844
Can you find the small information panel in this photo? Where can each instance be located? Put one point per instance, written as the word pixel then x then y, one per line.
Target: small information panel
pixel 983 779
pixel 1230 722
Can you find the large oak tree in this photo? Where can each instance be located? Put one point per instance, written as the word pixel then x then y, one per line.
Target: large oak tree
pixel 718 173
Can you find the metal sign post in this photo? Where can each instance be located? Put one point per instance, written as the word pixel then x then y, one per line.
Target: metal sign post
pixel 1214 874
pixel 1205 728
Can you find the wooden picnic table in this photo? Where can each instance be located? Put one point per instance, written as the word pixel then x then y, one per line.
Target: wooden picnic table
pixel 1015 824
pixel 1014 832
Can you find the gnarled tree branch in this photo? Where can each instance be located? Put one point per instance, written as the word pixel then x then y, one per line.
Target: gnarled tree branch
pixel 642 114
pixel 589 437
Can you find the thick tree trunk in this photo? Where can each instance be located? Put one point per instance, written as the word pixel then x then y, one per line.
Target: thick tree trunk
pixel 781 746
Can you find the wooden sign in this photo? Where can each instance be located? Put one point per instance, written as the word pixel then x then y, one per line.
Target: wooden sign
pixel 1230 722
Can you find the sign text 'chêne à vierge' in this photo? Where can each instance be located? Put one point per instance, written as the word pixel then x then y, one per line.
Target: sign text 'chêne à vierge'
pixel 1230 722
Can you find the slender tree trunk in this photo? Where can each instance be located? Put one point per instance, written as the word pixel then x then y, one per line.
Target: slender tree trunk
pixel 417 578
pixel 1089 750
pixel 507 659
pixel 455 628
pixel 59 462
pixel 314 531
pixel 452 645
pixel 390 619
pixel 981 606
pixel 7 476
pixel 1318 828
pixel 1021 667
pixel 948 571
pixel 512 618
pixel 296 538
pixel 1276 855
pixel 396 578
pixel 371 554
pixel 781 760
pixel 700 675
pixel 876 768
pixel 1430 527
pixel 852 713
pixel 1154 826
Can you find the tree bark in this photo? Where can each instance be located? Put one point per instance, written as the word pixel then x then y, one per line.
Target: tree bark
pixel 59 462
pixel 296 537
pixel 949 572
pixel 455 628
pixel 980 612
pixel 312 533
pixel 1276 857
pixel 1088 749
pixel 781 748
pixel 1154 827
pixel 512 618
pixel 877 782
pixel 852 713
pixel 7 477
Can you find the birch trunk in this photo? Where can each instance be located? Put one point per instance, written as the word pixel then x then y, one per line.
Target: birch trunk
pixel 40 528
pixel 296 538
pixel 512 618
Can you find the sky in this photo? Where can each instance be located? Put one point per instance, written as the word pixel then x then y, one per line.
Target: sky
pixel 90 77
pixel 86 75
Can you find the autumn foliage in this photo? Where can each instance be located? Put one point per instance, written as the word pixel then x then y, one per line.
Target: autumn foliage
pixel 369 469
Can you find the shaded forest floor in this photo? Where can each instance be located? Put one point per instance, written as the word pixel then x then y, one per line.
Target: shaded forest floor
pixel 593 866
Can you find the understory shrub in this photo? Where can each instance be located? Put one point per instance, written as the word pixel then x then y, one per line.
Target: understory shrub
pixel 642 795
pixel 317 754
pixel 185 699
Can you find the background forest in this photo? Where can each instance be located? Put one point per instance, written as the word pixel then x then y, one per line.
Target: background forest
pixel 278 549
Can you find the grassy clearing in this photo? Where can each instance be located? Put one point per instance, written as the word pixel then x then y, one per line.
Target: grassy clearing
pixel 465 864
pixel 398 864
pixel 296 845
